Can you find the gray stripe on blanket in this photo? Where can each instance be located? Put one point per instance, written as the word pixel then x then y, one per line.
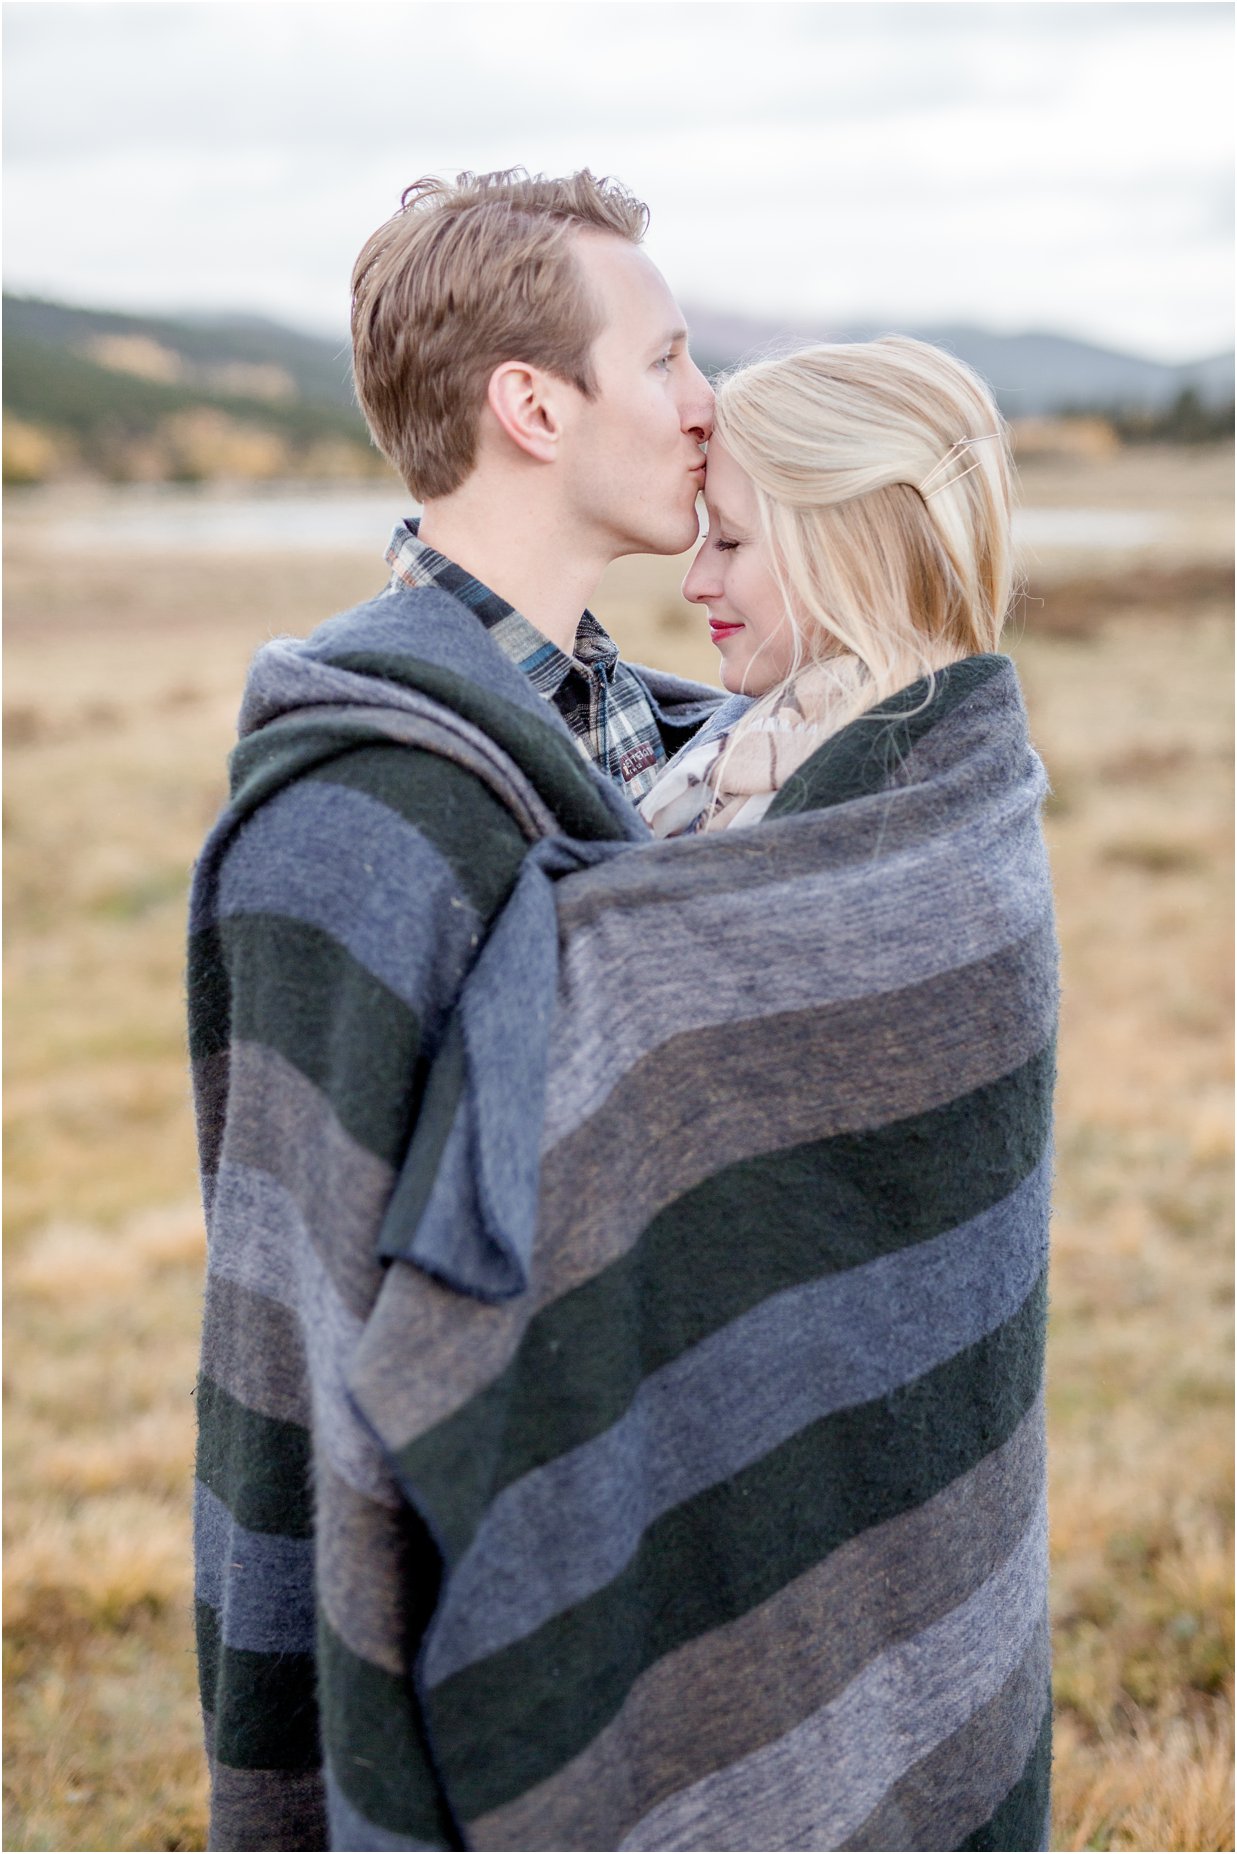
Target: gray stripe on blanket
pixel 440 1351
pixel 258 1238
pixel 252 1347
pixel 281 1124
pixel 309 851
pixel 362 1571
pixel 890 1580
pixel 289 1805
pixel 558 1534
pixel 781 949
pixel 209 1075
pixel 427 1349
pixel 959 1785
pixel 350 1829
pixel 815 1786
pixel 270 1592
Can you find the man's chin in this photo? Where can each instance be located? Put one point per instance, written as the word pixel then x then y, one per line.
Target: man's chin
pixel 668 539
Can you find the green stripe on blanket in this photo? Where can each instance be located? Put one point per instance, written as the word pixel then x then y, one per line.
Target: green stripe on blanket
pixel 257 1465
pixel 270 1717
pixel 363 1059
pixel 870 755
pixel 438 798
pixel 545 754
pixel 379 1755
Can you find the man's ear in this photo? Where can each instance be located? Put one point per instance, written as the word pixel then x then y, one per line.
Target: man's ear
pixel 527 404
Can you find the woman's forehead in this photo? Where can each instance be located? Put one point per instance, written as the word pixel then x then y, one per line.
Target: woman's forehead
pixel 728 493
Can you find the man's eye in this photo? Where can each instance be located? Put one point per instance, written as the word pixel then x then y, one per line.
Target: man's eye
pixel 665 360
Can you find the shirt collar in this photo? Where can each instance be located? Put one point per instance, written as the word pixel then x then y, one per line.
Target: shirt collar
pixel 413 563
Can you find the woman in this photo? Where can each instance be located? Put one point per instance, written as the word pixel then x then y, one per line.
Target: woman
pixel 859 539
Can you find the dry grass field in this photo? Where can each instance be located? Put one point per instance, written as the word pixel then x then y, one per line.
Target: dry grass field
pixel 122 680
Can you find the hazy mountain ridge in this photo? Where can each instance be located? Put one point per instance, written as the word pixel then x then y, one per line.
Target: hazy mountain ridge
pixel 1031 374
pixel 132 396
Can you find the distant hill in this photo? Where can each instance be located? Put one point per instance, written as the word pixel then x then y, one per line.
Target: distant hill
pixel 135 397
pixel 321 371
pixel 1030 374
pixel 144 397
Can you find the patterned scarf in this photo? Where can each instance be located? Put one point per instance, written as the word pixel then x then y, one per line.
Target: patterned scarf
pixel 732 777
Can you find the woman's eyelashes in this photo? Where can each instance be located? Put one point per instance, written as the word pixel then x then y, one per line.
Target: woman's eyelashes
pixel 716 536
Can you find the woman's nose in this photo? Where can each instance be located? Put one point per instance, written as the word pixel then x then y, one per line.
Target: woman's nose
pixel 699 584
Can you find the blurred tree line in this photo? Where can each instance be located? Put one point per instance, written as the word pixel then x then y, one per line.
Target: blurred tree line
pixel 1187 419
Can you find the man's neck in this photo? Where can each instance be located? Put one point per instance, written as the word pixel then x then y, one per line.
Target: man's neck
pixel 530 562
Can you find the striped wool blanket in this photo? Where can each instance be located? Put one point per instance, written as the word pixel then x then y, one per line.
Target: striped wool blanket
pixel 677 1477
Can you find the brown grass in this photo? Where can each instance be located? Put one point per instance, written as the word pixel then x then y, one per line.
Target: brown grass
pixel 123 682
pixel 1085 603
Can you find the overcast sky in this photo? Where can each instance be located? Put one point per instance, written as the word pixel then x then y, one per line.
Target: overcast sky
pixel 1057 164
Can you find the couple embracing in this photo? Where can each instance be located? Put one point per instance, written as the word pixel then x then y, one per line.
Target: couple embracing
pixel 624 1109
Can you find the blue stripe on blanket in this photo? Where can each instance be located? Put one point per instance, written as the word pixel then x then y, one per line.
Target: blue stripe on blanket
pixel 308 852
pixel 260 1584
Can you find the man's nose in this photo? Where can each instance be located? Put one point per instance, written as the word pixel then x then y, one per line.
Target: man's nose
pixel 698 406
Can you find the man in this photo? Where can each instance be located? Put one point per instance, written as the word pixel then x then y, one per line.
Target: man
pixel 538 464
pixel 526 369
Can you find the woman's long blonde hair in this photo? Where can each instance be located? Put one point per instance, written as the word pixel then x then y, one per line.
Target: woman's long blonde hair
pixel 883 478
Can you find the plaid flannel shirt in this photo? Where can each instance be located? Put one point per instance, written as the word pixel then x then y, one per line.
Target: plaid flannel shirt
pixel 602 701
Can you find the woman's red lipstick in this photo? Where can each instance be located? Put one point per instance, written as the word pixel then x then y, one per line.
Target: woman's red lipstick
pixel 718 628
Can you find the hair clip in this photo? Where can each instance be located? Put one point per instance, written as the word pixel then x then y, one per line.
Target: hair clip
pixel 951 457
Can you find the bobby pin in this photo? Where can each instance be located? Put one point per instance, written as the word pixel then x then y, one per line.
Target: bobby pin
pixel 951 457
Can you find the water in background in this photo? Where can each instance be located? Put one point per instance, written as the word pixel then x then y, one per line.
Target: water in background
pixel 170 518
pixel 159 518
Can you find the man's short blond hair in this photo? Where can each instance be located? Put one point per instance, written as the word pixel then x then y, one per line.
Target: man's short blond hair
pixel 465 276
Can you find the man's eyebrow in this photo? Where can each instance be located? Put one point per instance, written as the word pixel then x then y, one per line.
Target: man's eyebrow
pixel 668 341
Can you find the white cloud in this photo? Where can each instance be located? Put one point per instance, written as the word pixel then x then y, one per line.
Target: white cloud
pixel 1054 163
